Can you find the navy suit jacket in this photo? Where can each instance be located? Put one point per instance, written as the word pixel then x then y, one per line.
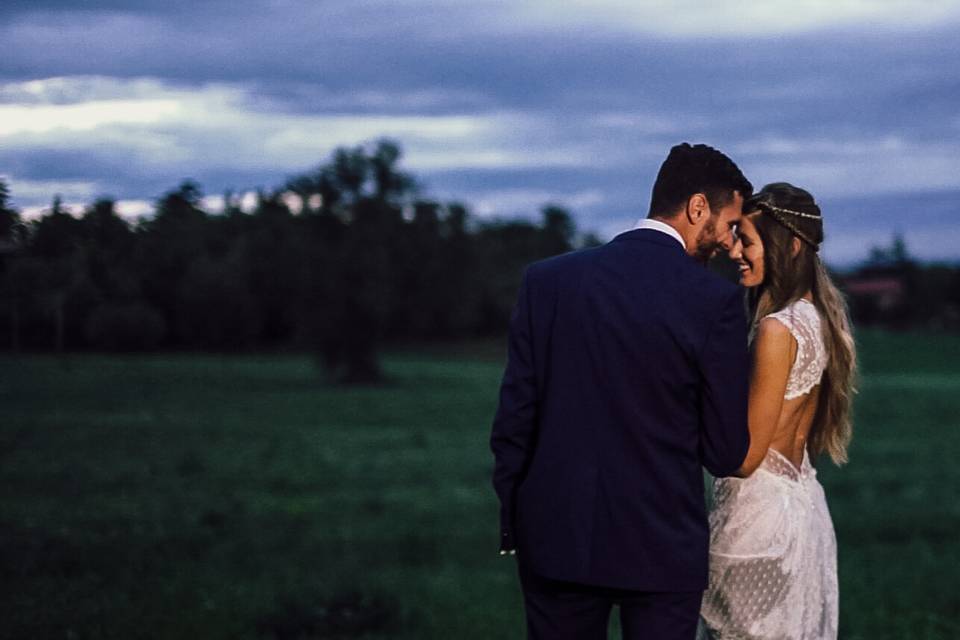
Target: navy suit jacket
pixel 627 374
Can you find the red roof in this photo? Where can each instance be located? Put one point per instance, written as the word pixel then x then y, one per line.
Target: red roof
pixel 874 286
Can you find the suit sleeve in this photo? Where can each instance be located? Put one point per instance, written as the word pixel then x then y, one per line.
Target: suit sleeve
pixel 515 423
pixel 725 368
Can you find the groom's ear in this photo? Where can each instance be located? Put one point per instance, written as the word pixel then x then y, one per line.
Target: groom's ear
pixel 697 208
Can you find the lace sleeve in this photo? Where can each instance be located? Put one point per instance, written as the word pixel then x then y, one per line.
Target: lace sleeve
pixel 803 321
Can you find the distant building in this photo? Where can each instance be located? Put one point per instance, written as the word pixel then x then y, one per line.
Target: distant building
pixel 879 287
pixel 878 292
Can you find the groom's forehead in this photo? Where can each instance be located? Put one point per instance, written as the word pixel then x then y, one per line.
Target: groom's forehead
pixel 738 201
pixel 734 208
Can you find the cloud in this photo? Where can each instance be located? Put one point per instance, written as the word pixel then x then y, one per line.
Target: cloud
pixel 524 202
pixel 44 190
pixel 691 18
pixel 507 103
pixel 679 18
pixel 133 209
pixel 20 119
pixel 223 126
pixel 150 127
pixel 66 90
pixel 853 164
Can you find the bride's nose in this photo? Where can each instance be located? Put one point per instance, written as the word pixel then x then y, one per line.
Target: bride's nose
pixel 736 250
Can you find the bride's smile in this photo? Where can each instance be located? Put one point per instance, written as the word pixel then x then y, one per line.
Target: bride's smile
pixel 747 252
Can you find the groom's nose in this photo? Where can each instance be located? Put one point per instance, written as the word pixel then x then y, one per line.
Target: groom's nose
pixel 726 241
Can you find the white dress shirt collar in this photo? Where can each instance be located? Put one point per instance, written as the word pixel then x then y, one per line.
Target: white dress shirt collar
pixel 663 227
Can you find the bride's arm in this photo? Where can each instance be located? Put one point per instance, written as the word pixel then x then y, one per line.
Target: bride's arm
pixel 774 350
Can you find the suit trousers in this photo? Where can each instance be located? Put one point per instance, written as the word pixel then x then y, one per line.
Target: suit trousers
pixel 558 610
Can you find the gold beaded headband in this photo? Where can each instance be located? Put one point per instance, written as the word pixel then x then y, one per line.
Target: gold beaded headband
pixel 799 214
pixel 780 215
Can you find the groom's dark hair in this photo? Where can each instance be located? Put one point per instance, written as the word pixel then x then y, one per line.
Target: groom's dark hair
pixel 691 169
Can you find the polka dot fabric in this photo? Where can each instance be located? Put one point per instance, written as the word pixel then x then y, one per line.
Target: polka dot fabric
pixel 773 551
pixel 773 557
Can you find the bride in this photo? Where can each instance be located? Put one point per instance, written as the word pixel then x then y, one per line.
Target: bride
pixel 773 558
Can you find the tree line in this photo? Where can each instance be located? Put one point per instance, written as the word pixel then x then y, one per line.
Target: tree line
pixel 365 260
pixel 893 290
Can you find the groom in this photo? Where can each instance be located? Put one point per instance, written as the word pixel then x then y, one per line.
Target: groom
pixel 627 373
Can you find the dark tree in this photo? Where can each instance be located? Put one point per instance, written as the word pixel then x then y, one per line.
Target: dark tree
pixel 65 291
pixel 14 283
pixel 558 231
pixel 271 263
pixel 110 248
pixel 215 307
pixel 169 243
pixel 362 261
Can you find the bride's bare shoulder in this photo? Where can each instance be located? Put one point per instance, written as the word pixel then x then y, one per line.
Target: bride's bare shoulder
pixel 773 335
pixel 774 350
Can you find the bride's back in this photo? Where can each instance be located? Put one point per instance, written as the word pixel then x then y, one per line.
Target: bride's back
pixel 793 428
pixel 809 360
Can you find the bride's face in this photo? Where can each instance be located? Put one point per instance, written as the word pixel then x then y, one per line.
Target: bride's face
pixel 747 252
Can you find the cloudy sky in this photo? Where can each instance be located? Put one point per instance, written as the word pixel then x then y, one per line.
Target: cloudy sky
pixel 504 104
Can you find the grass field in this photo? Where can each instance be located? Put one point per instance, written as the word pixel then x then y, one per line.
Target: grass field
pixel 236 497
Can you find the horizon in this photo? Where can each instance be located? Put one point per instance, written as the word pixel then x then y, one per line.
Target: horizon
pixel 247 201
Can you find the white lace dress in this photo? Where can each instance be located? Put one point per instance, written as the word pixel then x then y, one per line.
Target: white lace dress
pixel 773 552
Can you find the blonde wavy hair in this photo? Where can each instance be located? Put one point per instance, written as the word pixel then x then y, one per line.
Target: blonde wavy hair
pixel 782 212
